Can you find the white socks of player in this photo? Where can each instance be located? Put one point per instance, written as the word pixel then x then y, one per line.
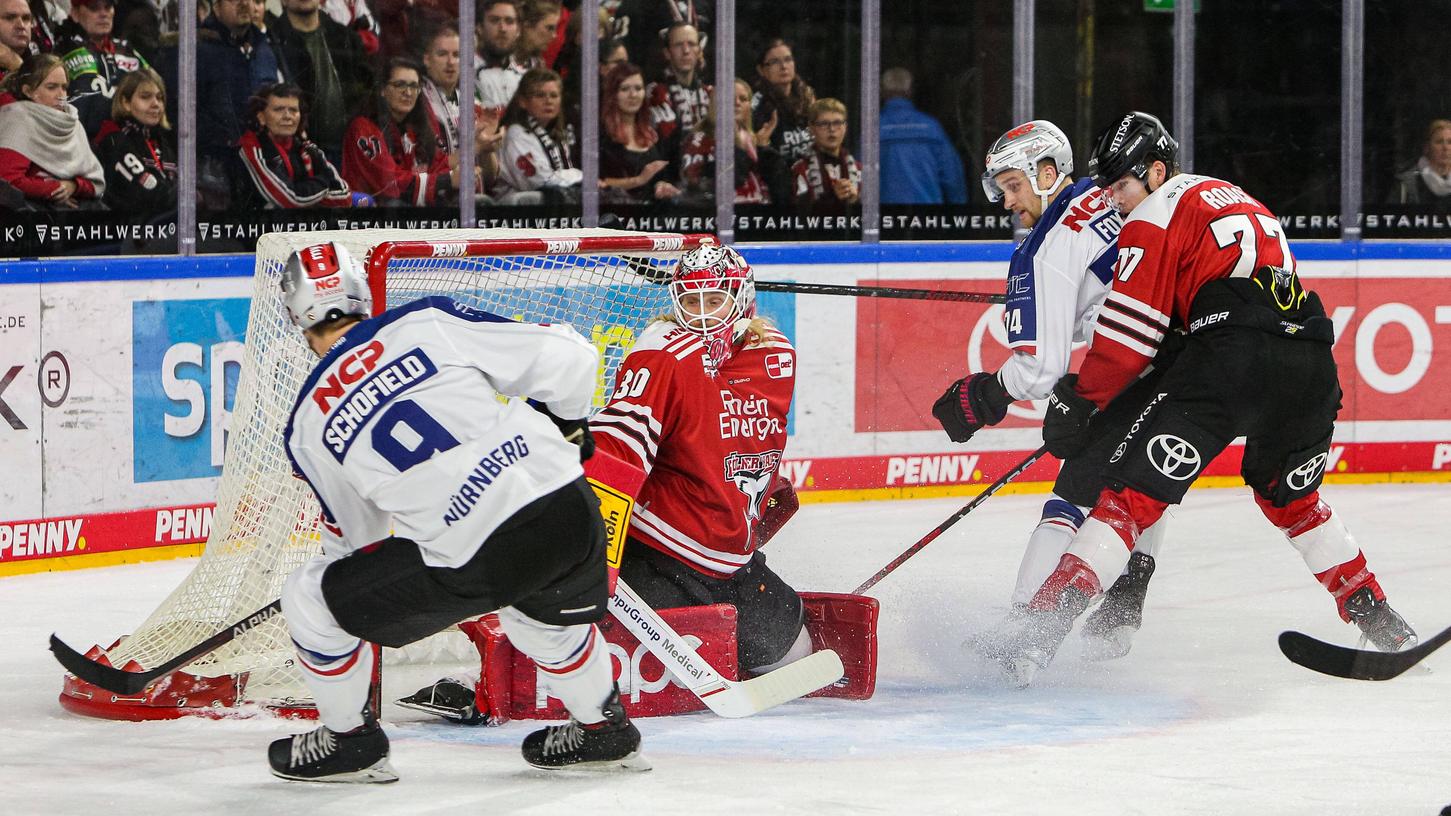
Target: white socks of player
pixel 573 660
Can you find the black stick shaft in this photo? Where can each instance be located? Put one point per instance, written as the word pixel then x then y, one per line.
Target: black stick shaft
pixel 880 291
pixel 953 519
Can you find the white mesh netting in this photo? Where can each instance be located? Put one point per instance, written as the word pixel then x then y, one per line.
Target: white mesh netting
pixel 265 520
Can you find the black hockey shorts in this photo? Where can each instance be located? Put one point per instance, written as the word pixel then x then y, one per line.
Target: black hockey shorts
pixel 1082 477
pixel 547 560
pixel 769 615
pixel 1281 393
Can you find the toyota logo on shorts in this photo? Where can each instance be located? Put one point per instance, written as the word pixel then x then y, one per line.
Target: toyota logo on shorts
pixel 1173 457
pixel 1305 475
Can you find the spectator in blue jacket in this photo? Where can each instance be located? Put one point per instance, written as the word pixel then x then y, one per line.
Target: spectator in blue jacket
pixel 919 163
pixel 234 59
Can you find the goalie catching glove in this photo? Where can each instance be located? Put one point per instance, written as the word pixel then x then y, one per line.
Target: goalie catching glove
pixel 970 403
pixel 1065 425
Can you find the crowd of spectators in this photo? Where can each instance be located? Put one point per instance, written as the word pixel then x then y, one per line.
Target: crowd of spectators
pixel 347 103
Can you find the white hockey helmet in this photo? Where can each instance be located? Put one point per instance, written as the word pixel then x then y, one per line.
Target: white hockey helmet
pixel 322 282
pixel 1022 148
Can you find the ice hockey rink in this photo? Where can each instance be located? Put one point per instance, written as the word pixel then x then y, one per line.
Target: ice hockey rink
pixel 1203 717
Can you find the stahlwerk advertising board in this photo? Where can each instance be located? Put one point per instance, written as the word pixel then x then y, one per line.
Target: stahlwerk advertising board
pixel 117 380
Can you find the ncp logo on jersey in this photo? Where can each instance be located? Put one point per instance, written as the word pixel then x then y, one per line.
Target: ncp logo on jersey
pixel 1174 457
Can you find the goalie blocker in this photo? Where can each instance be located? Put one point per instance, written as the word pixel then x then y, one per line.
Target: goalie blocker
pixel 510 686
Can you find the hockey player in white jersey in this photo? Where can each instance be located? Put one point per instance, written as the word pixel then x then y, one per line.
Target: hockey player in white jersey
pixel 441 502
pixel 1058 278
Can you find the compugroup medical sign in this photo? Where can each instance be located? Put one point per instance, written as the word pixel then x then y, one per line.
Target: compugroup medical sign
pixel 186 357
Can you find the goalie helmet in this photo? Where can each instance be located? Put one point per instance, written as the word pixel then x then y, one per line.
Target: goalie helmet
pixel 323 282
pixel 713 269
pixel 1022 148
pixel 1130 146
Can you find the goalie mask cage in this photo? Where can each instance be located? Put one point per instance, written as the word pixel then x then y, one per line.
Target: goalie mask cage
pixel 608 284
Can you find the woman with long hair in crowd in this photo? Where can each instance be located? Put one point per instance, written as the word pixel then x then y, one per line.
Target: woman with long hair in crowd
pixel 632 163
pixel 760 173
pixel 137 148
pixel 536 144
pixel 782 102
pixel 44 153
pixel 285 169
pixel 390 150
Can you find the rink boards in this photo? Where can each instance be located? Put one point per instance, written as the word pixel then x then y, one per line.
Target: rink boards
pixel 117 378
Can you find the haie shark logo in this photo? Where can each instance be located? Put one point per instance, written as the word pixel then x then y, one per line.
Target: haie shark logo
pixel 753 473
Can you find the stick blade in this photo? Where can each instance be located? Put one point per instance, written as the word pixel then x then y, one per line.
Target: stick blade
pixel 795 680
pixel 109 678
pixel 1355 664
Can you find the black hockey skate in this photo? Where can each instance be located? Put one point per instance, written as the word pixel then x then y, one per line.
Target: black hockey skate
pixel 450 698
pixel 1382 626
pixel 611 744
pixel 1039 634
pixel 1109 630
pixel 323 755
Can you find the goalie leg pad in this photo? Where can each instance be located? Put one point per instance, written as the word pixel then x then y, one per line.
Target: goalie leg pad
pixel 846 624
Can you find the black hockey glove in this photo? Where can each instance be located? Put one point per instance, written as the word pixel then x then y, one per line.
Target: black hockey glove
pixel 1065 427
pixel 970 403
pixel 575 431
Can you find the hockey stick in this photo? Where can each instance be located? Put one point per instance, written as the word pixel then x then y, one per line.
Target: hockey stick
pixel 880 292
pixel 122 681
pixel 953 519
pixel 1355 664
pixel 727 698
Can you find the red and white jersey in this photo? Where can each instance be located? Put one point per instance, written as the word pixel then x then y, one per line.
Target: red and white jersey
pixel 1192 230
pixel 710 446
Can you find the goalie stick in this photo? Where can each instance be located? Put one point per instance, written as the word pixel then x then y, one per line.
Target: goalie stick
pixel 125 681
pixel 953 519
pixel 727 698
pixel 1355 664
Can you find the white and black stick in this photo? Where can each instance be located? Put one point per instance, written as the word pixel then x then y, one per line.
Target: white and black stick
pixel 727 698
pixel 122 681
pixel 953 519
pixel 1355 664
pixel 797 288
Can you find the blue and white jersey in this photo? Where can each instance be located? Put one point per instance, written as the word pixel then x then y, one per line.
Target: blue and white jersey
pixel 401 429
pixel 1057 281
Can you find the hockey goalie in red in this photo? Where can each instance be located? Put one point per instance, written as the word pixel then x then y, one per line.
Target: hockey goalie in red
pixel 1201 256
pixel 700 404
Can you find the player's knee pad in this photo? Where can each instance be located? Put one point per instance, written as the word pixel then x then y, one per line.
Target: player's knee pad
pixel 385 594
pixel 1162 453
pixel 310 621
pixel 1299 475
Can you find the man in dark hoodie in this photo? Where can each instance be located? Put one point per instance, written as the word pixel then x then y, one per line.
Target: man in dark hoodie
pixel 329 64
pixel 236 60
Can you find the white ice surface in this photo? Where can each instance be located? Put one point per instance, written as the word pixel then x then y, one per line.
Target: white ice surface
pixel 1203 717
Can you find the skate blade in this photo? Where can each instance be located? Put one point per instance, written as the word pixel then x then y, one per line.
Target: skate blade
pixel 634 762
pixel 380 772
pixel 1110 645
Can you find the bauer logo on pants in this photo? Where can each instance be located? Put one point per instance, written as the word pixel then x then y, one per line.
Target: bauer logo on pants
pixel 1174 457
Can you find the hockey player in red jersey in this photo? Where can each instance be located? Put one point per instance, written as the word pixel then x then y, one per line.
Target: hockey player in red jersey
pixel 700 405
pixel 1200 254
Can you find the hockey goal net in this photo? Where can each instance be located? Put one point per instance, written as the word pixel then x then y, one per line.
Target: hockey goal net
pixel 605 283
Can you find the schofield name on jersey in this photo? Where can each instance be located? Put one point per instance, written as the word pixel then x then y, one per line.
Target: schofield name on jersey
pixel 364 400
pixel 462 502
pixel 749 418
pixel 1093 210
